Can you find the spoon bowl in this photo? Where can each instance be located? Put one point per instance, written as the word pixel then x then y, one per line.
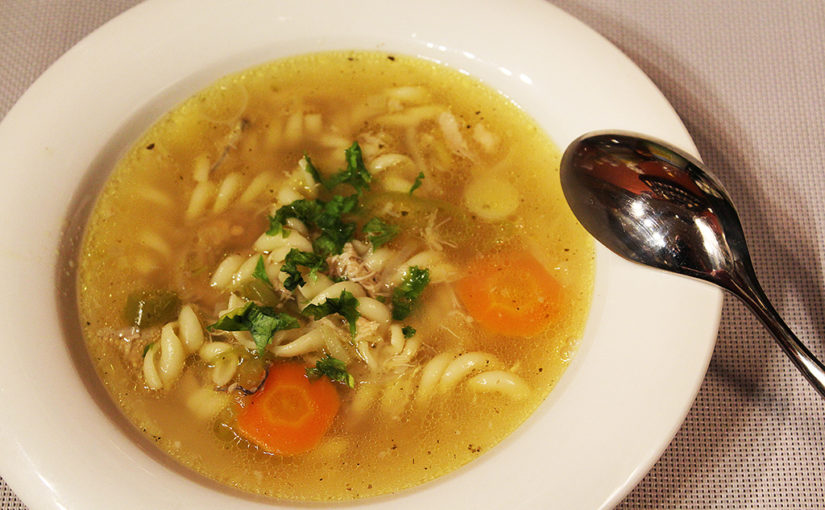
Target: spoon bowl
pixel 656 205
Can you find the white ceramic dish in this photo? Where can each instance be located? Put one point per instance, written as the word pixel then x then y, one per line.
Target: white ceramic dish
pixel 62 444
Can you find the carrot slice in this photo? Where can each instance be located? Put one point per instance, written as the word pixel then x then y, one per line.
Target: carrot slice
pixel 510 294
pixel 290 414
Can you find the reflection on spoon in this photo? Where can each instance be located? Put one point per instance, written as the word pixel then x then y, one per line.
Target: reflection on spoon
pixel 655 205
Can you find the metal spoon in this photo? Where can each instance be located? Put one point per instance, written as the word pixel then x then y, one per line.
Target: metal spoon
pixel 653 204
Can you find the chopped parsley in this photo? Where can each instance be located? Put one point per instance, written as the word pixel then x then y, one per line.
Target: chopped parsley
pixel 311 170
pixel 408 291
pixel 334 231
pixel 417 183
pixel 147 308
pixel 355 174
pixel 261 321
pixel 345 305
pixel 304 210
pixel 333 368
pixel 295 258
pixel 260 271
pixel 379 233
pixel 408 331
pixel 325 216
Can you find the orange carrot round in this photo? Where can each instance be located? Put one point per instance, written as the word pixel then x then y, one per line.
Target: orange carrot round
pixel 290 414
pixel 510 293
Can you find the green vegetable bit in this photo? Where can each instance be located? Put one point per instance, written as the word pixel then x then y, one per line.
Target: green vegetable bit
pixel 380 233
pixel 334 231
pixel 355 174
pixel 149 307
pixel 408 291
pixel 417 182
pixel 333 368
pixel 325 216
pixel 312 170
pixel 260 292
pixel 303 209
pixel 295 258
pixel 261 321
pixel 408 331
pixel 345 305
pixel 260 271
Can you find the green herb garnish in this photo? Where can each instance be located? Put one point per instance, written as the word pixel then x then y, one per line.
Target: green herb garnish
pixel 355 174
pixel 333 368
pixel 408 331
pixel 379 233
pixel 311 170
pixel 345 305
pixel 334 231
pixel 408 291
pixel 261 321
pixel 150 307
pixel 260 271
pixel 325 216
pixel 417 182
pixel 295 258
pixel 304 210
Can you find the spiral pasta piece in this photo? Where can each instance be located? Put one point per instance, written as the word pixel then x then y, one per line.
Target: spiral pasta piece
pixel 172 356
pixel 462 366
pixel 335 290
pixel 293 239
pixel 259 186
pixel 499 381
pixel 405 357
pixel 242 337
pixel 206 403
pixel 224 361
pixel 199 200
pixel 440 270
pixel 315 286
pixel 228 189
pixel 235 270
pixel 374 310
pixel 312 341
pixel 386 161
pixel 397 396
pixel 150 368
pixel 364 397
pixel 153 241
pixel 164 360
pixel 155 196
pixel 431 375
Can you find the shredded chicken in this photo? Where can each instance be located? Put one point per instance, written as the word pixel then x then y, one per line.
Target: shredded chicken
pixel 230 142
pixel 348 264
pixel 366 331
pixel 452 135
pixel 389 209
pixel 129 341
pixel 431 236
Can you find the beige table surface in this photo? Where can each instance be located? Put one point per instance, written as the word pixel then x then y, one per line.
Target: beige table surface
pixel 748 78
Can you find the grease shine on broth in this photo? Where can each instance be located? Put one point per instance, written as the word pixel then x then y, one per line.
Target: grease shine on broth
pixel 439 280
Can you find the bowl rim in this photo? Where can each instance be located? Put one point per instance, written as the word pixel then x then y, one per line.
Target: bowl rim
pixel 585 419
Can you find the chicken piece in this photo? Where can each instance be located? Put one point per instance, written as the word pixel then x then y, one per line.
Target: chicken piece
pixel 349 264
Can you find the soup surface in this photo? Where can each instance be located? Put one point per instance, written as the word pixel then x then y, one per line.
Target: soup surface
pixel 334 276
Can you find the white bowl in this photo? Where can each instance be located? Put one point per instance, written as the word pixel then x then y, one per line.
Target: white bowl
pixel 62 442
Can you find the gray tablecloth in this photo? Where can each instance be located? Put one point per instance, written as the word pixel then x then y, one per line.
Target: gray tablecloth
pixel 748 78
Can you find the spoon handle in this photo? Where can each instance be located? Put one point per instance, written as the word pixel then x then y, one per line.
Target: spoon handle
pixel 754 297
